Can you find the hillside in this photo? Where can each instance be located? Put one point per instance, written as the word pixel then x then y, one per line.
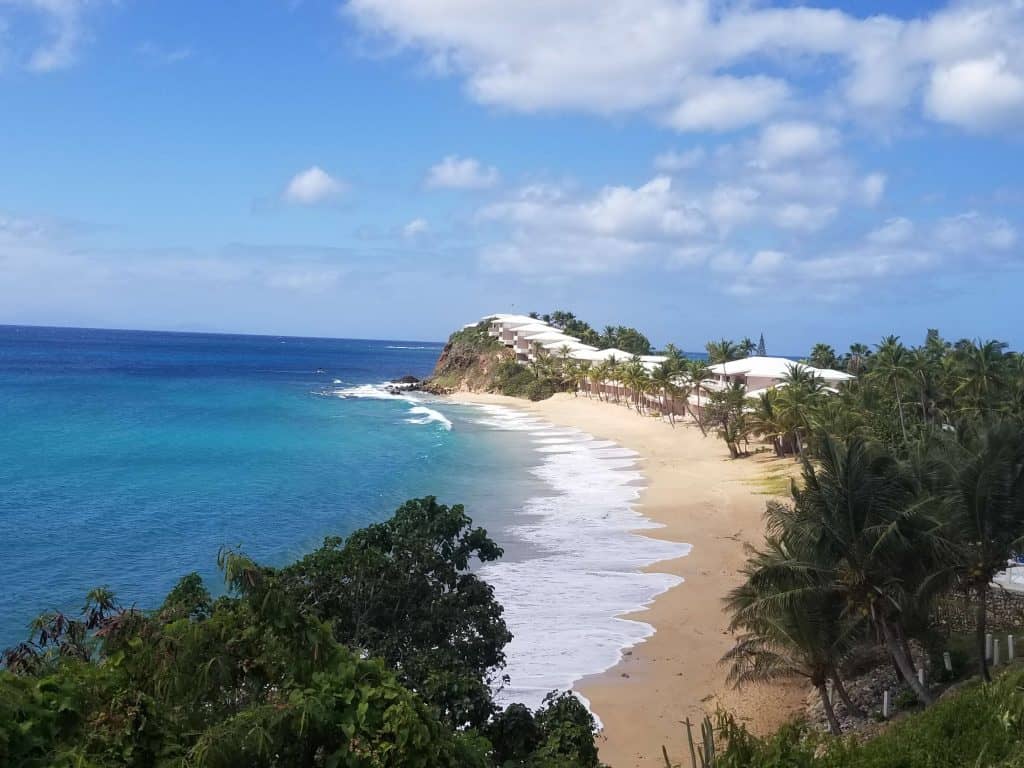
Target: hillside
pixel 472 361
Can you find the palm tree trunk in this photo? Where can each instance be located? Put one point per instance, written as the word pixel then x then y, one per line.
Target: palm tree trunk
pixel 844 696
pixel 700 416
pixel 899 407
pixel 896 652
pixel 980 626
pixel 830 713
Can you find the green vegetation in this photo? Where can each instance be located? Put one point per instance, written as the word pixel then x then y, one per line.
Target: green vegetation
pixel 373 651
pixel 613 336
pixel 982 725
pixel 911 497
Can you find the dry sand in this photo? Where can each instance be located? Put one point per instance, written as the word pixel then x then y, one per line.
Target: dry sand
pixel 714 503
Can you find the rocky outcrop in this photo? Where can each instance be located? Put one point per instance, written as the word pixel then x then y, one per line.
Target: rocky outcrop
pixel 468 362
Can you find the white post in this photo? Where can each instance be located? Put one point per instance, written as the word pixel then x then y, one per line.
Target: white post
pixel 920 675
pixel 885 704
pixel 1009 648
pixel 988 645
pixel 947 661
pixel 995 652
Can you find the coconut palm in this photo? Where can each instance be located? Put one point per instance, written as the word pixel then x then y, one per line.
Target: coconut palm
pixel 800 393
pixel 872 536
pixel 856 358
pixel 765 421
pixel 600 374
pixel 980 374
pixel 697 371
pixel 891 367
pixel 792 621
pixel 823 356
pixel 585 371
pixel 984 505
pixel 746 347
pixel 722 351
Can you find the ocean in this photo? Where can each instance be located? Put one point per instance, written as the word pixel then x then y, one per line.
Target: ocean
pixel 129 458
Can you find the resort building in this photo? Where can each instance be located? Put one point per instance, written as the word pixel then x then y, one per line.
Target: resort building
pixel 760 373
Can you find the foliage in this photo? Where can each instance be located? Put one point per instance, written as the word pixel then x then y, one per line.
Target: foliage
pixel 310 665
pixel 403 591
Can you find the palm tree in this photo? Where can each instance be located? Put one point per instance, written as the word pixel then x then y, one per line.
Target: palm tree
pixel 799 396
pixel 856 358
pixel 871 534
pixel 697 371
pixel 746 347
pixel 823 356
pixel 722 351
pixel 980 374
pixel 984 504
pixel 793 622
pixel 600 374
pixel 891 367
pixel 615 375
pixel 584 370
pixel 765 421
pixel 661 380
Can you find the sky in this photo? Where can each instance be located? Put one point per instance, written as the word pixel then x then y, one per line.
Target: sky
pixel 397 168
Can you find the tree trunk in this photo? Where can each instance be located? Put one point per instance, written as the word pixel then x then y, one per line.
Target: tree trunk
pixel 896 652
pixel 844 696
pixel 899 407
pixel 980 625
pixel 830 713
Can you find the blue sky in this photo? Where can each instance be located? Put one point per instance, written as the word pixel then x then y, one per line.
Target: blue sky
pixel 395 168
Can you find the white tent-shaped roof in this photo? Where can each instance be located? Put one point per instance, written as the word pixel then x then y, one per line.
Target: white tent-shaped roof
pixel 772 368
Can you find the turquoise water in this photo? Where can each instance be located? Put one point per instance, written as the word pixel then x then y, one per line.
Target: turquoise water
pixel 128 459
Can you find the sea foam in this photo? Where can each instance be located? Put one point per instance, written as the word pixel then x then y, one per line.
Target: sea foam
pixel 565 605
pixel 418 413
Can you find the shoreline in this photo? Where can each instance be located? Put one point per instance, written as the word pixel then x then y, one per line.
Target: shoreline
pixel 702 498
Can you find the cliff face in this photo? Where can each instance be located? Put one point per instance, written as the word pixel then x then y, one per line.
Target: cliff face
pixel 469 362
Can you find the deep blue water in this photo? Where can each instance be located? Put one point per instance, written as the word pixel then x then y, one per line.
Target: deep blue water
pixel 129 458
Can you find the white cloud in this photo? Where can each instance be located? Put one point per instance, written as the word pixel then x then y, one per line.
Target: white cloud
pixel 455 172
pixel 794 140
pixel 415 228
pixel 766 262
pixel 152 50
pixel 978 94
pixel 893 232
pixel 64 32
pixel 872 188
pixel 974 233
pixel 553 232
pixel 727 103
pixel 673 161
pixel 701 65
pixel 807 218
pixel 313 186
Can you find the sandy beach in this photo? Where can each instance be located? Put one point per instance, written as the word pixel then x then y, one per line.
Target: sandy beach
pixel 715 504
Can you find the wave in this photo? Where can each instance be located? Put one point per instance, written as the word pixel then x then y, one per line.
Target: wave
pixel 426 415
pixel 419 413
pixel 565 605
pixel 401 346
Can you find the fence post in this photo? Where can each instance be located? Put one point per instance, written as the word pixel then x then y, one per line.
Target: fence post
pixel 988 645
pixel 885 704
pixel 947 661
pixel 1009 648
pixel 995 652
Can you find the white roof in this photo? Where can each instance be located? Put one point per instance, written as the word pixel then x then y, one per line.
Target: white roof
pixel 772 368
pixel 504 318
pixel 653 358
pixel 549 336
pixel 572 345
pixel 530 328
pixel 601 354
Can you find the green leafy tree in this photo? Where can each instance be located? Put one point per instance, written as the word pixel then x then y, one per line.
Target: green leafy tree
pixel 404 590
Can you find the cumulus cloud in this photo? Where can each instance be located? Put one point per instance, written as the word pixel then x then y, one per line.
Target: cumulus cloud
pixel 794 140
pixel 415 228
pixel 716 66
pixel 894 231
pixel 63 31
pixel 672 161
pixel 455 172
pixel 312 187
pixel 972 232
pixel 977 94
